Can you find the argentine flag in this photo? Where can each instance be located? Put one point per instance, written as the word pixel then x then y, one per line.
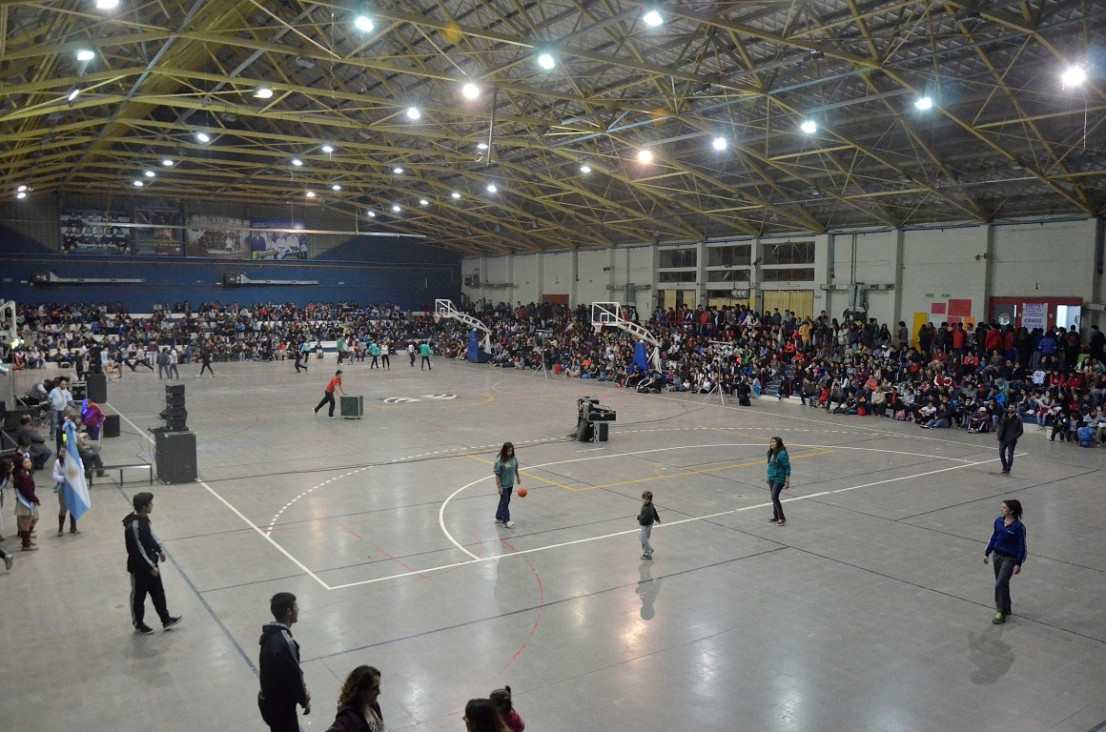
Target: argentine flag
pixel 74 487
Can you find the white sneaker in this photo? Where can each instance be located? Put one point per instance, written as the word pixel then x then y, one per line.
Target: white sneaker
pixel 510 524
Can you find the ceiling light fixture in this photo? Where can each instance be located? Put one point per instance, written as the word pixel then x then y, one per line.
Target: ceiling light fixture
pixel 809 126
pixel 396 208
pixel 481 146
pixel 22 189
pixel 364 23
pixel 546 61
pixel 167 163
pixel 719 143
pixel 492 188
pixel 653 18
pixel 328 148
pixel 203 137
pixel 413 113
pixel 336 187
pixel 139 184
pixel 263 92
pixel 297 162
pixel 397 170
pixel 585 168
pixel 924 103
pixel 73 94
pixel 1073 76
pixel 424 202
pixel 455 195
pixel 310 194
pixel 107 4
pixel 470 90
pixel 21 195
pixel 371 214
pixel 150 174
pixel 645 156
pixel 85 55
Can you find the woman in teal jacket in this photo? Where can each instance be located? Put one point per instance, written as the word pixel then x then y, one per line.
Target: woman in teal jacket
pixel 779 477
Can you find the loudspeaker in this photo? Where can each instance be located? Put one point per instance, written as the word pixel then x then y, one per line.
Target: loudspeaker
pixel 175 455
pixel 601 431
pixel 174 414
pixel 96 387
pixel 79 390
pixel 352 407
pixel 111 426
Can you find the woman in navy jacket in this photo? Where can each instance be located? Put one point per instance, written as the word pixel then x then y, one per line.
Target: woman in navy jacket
pixel 1008 544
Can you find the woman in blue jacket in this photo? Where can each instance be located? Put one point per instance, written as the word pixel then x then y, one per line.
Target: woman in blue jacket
pixel 1008 544
pixel 779 477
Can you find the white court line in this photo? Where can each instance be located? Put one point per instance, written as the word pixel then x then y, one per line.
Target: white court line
pixel 236 512
pixel 477 560
pixel 458 545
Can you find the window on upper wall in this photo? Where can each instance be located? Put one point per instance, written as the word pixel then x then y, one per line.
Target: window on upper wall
pixel 730 256
pixel 788 252
pixel 676 258
pixel 804 274
pixel 717 276
pixel 670 277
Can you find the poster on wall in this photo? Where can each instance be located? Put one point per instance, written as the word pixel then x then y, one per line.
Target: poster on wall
pixel 278 239
pixel 95 232
pixel 223 237
pixel 157 231
pixel 1034 315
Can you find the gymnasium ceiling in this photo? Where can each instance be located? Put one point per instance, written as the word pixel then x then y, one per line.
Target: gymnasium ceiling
pixel 1006 138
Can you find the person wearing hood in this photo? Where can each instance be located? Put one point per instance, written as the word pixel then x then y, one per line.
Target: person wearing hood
pixel 282 684
pixel 144 552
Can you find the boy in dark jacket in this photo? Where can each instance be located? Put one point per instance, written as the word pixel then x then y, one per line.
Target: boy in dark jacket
pixel 144 552
pixel 645 519
pixel 282 685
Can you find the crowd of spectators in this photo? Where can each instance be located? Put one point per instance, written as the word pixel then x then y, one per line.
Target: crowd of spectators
pixel 942 376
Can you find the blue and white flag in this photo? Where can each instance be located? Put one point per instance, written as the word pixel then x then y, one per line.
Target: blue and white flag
pixel 74 487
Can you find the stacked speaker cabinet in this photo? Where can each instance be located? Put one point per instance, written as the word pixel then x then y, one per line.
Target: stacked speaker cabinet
pixel 96 387
pixel 175 415
pixel 175 453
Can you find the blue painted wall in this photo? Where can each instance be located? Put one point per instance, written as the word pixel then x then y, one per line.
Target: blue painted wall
pixel 363 270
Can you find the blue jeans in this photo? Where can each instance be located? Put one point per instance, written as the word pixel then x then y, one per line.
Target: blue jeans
pixel 503 513
pixel 777 506
pixel 1006 454
pixel 646 547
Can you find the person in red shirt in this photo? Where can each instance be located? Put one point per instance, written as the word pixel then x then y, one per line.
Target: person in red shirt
pixel 328 395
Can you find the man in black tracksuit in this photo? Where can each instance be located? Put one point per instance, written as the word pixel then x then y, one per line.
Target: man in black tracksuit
pixel 282 685
pixel 143 553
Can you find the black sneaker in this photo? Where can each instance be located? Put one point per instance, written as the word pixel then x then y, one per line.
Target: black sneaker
pixel 170 623
pixel 144 630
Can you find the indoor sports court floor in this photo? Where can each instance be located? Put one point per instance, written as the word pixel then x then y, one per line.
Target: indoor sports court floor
pixel 870 610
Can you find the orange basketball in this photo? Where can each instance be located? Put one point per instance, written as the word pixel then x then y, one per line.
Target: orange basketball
pixel 521 492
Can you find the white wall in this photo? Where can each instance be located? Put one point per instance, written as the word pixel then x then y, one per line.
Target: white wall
pixel 940 264
pixel 1052 259
pixel 1046 261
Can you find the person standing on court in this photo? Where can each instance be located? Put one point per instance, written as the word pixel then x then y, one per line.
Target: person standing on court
pixel 506 475
pixel 1009 430
pixel 411 353
pixel 779 477
pixel 144 552
pixel 424 351
pixel 645 519
pixel 205 363
pixel 1009 547
pixel 328 394
pixel 282 684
